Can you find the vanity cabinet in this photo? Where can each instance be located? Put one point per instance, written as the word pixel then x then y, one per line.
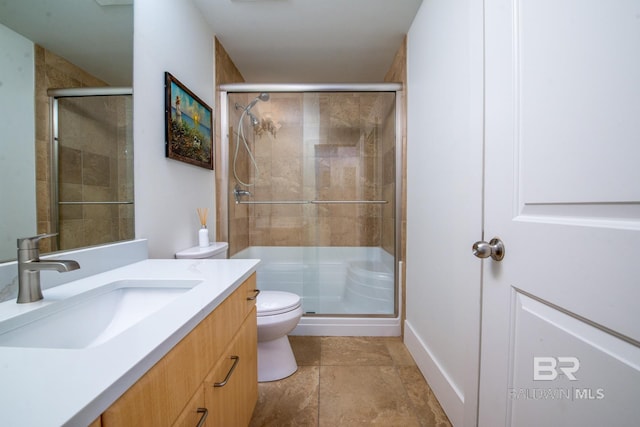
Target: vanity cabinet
pixel 231 388
pixel 175 391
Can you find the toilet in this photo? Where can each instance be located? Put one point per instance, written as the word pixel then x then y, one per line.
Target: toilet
pixel 216 250
pixel 278 314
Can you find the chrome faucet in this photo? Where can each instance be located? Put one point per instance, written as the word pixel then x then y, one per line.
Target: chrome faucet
pixel 30 265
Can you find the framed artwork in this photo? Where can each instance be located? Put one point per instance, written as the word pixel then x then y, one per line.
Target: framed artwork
pixel 189 125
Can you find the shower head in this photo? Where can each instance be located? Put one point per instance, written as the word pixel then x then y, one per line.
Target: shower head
pixel 264 96
pixel 254 119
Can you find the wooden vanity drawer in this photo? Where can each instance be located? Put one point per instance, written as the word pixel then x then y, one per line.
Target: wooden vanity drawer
pixel 158 398
pixel 161 395
pixel 234 310
pixel 231 403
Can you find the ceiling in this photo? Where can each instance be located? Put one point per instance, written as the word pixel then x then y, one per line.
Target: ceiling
pixel 275 41
pixel 303 41
pixel 97 38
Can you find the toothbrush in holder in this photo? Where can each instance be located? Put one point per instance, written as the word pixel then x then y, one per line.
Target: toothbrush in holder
pixel 203 233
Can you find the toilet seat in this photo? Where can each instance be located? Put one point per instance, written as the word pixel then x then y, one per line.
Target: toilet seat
pixel 270 303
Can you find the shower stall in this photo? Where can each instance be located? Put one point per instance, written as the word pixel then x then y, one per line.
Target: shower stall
pixel 313 191
pixel 91 164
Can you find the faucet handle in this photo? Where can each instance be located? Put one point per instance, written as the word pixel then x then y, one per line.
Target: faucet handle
pixel 30 243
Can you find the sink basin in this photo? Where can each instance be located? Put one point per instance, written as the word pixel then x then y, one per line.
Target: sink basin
pixel 93 317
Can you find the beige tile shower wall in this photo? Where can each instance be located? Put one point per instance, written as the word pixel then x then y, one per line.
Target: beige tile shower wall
pixel 52 71
pixel 238 233
pixel 397 73
pixel 312 159
pixel 95 166
pixel 327 147
pixel 280 164
pixel 354 164
pixel 238 213
pixel 388 221
pixel 126 219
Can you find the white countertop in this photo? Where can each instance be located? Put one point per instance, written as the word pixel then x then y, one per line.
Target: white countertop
pixel 53 387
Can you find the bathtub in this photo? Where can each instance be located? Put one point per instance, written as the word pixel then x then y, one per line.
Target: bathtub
pixel 345 291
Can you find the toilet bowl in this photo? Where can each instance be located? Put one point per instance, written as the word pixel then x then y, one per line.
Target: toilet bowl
pixel 278 314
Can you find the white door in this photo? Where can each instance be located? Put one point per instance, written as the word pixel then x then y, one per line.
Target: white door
pixel 561 312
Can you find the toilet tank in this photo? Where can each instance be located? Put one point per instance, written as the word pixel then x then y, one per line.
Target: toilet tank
pixel 216 250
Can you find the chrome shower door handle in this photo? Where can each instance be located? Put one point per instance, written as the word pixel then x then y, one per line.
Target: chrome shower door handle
pixel 494 249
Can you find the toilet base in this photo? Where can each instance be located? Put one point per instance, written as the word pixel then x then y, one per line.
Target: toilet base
pixel 275 360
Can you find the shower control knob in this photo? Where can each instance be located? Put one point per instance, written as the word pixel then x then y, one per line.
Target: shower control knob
pixel 493 249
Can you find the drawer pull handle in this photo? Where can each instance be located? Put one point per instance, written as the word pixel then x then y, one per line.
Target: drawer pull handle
pixel 257 291
pixel 204 413
pixel 235 359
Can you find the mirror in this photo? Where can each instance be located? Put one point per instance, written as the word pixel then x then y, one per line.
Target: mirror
pixel 45 45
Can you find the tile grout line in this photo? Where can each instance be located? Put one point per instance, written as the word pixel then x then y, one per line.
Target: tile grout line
pixel 396 366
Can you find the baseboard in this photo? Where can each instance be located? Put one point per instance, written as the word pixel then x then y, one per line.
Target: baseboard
pixel 450 397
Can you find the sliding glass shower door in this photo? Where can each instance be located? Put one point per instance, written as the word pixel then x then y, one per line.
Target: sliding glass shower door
pixel 313 195
pixel 92 168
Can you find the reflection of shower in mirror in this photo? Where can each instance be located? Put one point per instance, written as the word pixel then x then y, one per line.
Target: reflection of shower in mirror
pixel 92 167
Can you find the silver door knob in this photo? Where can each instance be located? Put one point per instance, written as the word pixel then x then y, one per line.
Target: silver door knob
pixel 493 249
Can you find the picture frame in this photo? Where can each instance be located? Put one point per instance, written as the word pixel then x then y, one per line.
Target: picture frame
pixel 188 124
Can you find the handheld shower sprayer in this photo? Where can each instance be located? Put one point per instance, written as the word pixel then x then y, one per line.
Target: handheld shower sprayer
pixel 246 111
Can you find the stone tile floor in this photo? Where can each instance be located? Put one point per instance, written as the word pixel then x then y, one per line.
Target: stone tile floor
pixel 349 381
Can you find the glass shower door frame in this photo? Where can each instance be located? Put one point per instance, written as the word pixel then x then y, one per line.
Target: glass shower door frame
pixel 54 96
pixel 224 148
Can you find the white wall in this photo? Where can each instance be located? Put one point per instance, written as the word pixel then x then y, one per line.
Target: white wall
pixel 17 141
pixel 444 184
pixel 169 36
